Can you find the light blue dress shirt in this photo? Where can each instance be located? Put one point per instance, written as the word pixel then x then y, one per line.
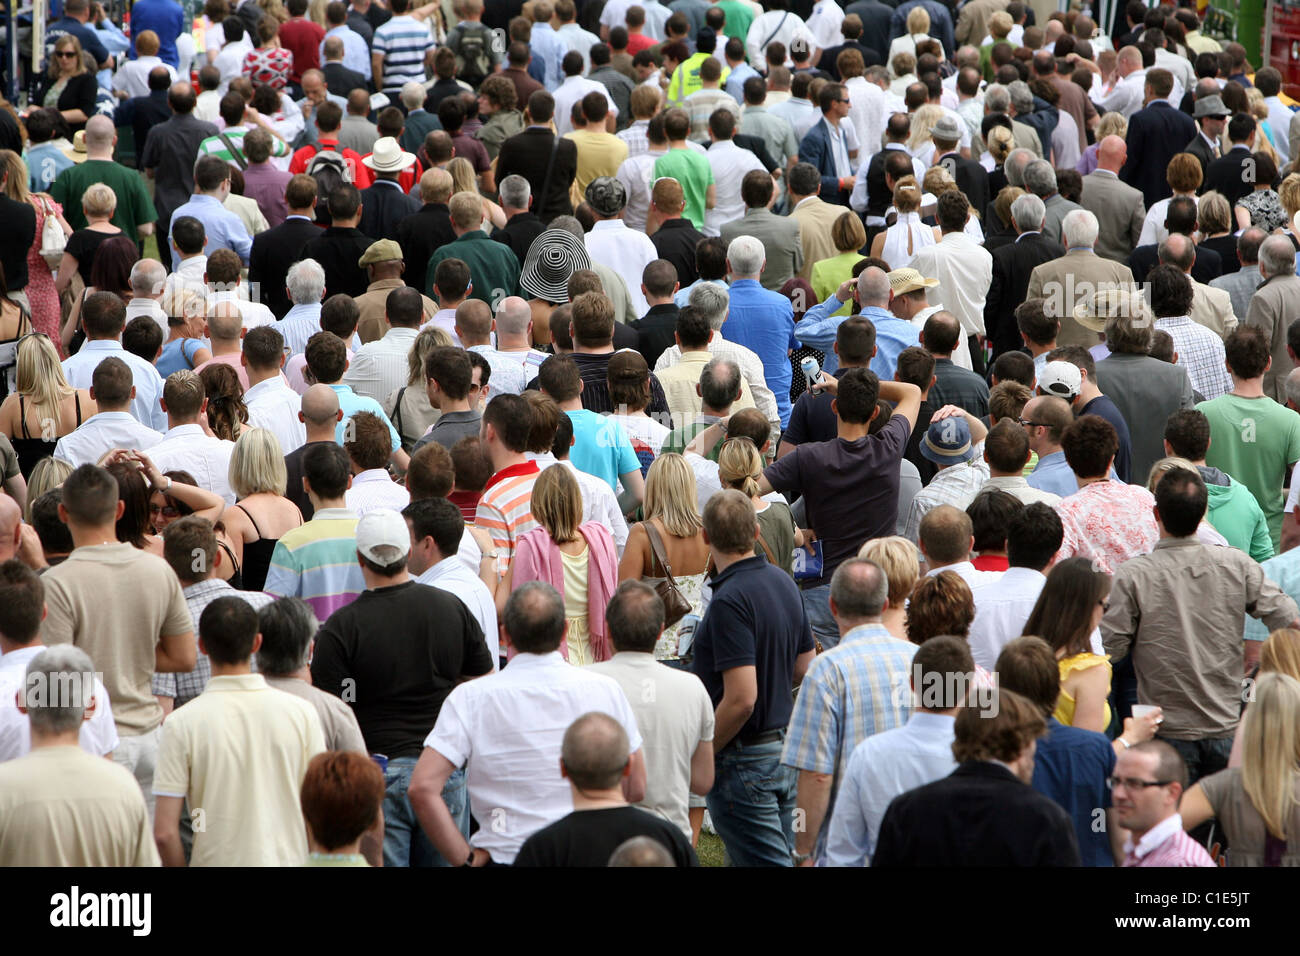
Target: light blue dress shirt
pixel 882 767
pixel 763 322
pixel 820 324
pixel 79 370
pixel 223 229
pixel 356 55
pixel 1284 571
pixel 549 47
pixel 1054 475
pixel 735 84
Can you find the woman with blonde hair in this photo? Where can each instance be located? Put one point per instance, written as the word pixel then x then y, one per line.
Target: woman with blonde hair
pixel 1267 143
pixel 67 85
pixel 43 309
pixel 908 235
pixel 1258 803
pixel 828 274
pixel 1000 142
pixel 672 519
pixel 1288 195
pixel 1112 124
pixel 262 514
pixel 740 466
pixel 918 29
pixel 98 204
pixel 1214 224
pixel 227 413
pixel 1280 654
pixel 897 557
pixel 576 558
pixel 48 473
pixel 408 407
pixel 463 180
pixel 184 348
pixel 44 406
pixel 919 143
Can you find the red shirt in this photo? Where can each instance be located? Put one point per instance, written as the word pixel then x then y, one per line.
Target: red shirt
pixel 991 562
pixel 636 42
pixel 467 502
pixel 361 174
pixel 302 38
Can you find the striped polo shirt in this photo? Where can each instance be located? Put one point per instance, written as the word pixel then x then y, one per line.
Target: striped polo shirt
pixel 216 146
pixel 402 41
pixel 506 509
pixel 317 562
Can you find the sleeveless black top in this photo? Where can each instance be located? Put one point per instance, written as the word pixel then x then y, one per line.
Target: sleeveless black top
pixel 31 449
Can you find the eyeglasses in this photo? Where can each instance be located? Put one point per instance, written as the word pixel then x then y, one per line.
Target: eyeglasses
pixel 68 53
pixel 167 511
pixel 1028 424
pixel 1129 783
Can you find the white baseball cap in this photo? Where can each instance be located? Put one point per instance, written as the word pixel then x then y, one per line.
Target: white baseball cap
pixel 1061 379
pixel 382 536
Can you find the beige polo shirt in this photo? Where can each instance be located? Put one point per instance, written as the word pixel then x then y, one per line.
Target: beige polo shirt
pixel 238 752
pixel 60 806
pixel 115 602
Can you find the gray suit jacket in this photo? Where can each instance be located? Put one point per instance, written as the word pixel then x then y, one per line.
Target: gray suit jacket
pixel 1240 286
pixel 1057 209
pixel 1068 281
pixel 1274 306
pixel 1119 210
pixel 780 237
pixel 1146 391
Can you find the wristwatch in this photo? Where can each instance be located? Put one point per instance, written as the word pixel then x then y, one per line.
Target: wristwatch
pixel 800 858
pixel 493 555
pixel 164 488
pixel 469 860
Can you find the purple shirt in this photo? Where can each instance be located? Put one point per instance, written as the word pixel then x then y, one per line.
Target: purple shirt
pixel 265 185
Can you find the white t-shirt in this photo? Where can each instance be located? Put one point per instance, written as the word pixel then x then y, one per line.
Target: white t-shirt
pixel 98 736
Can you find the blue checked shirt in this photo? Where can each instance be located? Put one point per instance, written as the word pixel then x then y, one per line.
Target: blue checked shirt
pixel 1200 351
pixel 854 690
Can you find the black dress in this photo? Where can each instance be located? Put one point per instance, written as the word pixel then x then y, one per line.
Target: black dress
pixel 31 449
pixel 1226 247
pixel 257 557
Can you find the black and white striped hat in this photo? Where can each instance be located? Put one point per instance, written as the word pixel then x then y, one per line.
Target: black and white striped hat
pixel 553 257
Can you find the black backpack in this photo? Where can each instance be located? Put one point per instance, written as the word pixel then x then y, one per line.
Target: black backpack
pixel 473 57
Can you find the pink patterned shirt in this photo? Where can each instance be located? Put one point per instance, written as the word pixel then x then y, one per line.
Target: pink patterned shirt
pixel 1108 522
pixel 1165 844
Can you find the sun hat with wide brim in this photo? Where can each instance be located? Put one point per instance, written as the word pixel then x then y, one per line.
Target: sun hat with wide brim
pixel 1095 310
pixel 553 257
pixel 388 156
pixel 902 281
pixel 78 152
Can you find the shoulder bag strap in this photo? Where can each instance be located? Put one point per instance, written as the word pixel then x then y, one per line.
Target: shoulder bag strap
pixel 396 416
pixel 771 559
pixel 234 151
pixel 772 35
pixel 657 548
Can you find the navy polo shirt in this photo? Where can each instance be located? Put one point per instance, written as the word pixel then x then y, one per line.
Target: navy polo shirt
pixel 1105 408
pixel 755 618
pixel 1070 768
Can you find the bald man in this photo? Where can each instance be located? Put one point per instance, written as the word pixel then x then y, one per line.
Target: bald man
pixel 11 527
pixel 1119 207
pixel 225 329
pixel 515 334
pixel 320 415
pixel 1125 94
pixel 474 326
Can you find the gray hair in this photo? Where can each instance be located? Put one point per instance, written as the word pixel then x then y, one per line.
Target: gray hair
pixel 1178 251
pixel 859 589
pixel 412 95
pixel 287 627
pixel 1079 228
pixel 996 98
pixel 57 689
pixel 305 282
pixel 746 255
pixel 1028 212
pixel 1276 256
pixel 719 383
pixel 711 301
pixel 1015 163
pixel 514 313
pixel 1040 178
pixel 148 277
pixel 514 191
pixel 641 851
pixel 1293 387
pixel 873 287
pixel 1129 329
pixel 569 224
pixel 1021 97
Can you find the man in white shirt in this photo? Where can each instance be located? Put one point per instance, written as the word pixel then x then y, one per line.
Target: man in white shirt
pixel 1001 607
pixel 963 267
pixel 572 90
pixel 729 163
pixel 103 316
pixel 189 262
pixel 132 77
pixel 474 326
pixel 778 25
pixel 945 540
pixel 824 24
pixel 379 368
pixel 1125 95
pixel 230 61
pixel 148 279
pixel 225 278
pixel 437 528
pixel 271 403
pixel 368 442
pixel 506 729
pixel 612 243
pixel 1269 82
pixel 185 447
pixel 112 388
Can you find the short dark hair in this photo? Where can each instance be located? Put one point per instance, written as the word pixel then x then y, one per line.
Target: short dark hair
pixel 431 473
pixel 183 540
pixel 341 796
pixel 90 495
pixel 941 331
pixel 511 418
pixel 1007 447
pixel 451 278
pixel 439 519
pixel 1034 535
pixel 856 340
pixel 471 464
pixel 693 328
pixel 1014 367
pixel 1188 433
pixel 327 357
pixel 541 104
pixel 953 211
pixel 450 368
pixel 22 602
pixel 288 626
pixel 1035 324
pixel 54 534
pixel 915 366
pixel 1090 444
pixel 339 315
pixel 227 628
pixel 756 187
pixel 1181 500
pixel 1247 351
pixel 856 395
pixel 935 666
pixel 635 617
pixel 1027 666
pixel 263 347
pixel 367 441
pixel 210 172
pixel 345 200
pixel 559 378
pixel 1171 291
pixel 534 616
pixel 188 234
pixel 720 383
pixel 327 468
pixel 103 315
pixel 142 337
pixel 989 513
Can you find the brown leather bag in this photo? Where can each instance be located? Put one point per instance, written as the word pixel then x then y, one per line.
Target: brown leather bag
pixel 676 606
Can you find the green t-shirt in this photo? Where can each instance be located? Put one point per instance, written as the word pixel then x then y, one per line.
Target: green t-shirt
pixel 1256 441
pixel 739 17
pixel 776 525
pixel 693 171
pixel 679 438
pixel 134 208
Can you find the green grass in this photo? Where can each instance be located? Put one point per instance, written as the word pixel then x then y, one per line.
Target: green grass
pixel 710 850
pixel 150 247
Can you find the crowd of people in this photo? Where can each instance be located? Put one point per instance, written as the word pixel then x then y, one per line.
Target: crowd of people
pixel 558 433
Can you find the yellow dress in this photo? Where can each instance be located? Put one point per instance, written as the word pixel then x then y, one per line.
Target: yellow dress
pixel 1065 703
pixel 575 607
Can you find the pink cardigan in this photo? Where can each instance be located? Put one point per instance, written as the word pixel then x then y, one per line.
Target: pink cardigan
pixel 537 558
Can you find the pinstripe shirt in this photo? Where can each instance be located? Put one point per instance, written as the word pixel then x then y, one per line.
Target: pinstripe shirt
pixel 372 489
pixel 854 690
pixel 381 367
pixel 1165 844
pixel 1200 351
pixel 183 688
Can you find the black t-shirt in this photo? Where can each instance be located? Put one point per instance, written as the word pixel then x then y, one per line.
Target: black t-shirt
pixel 293 484
pixel 812 419
pixel 590 837
pixel 82 246
pixel 401 650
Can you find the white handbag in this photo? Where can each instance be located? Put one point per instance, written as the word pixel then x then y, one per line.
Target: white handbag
pixel 53 241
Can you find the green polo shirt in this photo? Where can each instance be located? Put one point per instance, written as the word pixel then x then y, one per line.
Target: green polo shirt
pixel 493 268
pixel 133 204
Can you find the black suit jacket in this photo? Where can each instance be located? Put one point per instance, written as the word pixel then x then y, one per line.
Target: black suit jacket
pixel 274 251
pixel 675 241
pixel 827 62
pixel 1199 148
pixel 341 81
pixel 1156 134
pixel 655 331
pixel 519 233
pixel 979 815
pixel 756 146
pixel 1208 264
pixel 383 206
pixel 1227 175
pixel 1012 265
pixel 337 250
pixel 420 235
pixel 528 154
pixel 875 18
pixel 971 177
pixel 16 239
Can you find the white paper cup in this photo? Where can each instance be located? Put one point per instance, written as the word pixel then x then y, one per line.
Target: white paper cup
pixel 1141 710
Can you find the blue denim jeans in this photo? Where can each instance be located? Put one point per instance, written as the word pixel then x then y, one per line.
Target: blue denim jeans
pixel 752 804
pixel 817 605
pixel 405 842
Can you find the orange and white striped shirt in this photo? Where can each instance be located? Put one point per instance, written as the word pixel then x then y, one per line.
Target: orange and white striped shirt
pixel 506 509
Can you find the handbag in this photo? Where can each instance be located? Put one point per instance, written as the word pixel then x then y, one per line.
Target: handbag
pixel 676 606
pixel 53 242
